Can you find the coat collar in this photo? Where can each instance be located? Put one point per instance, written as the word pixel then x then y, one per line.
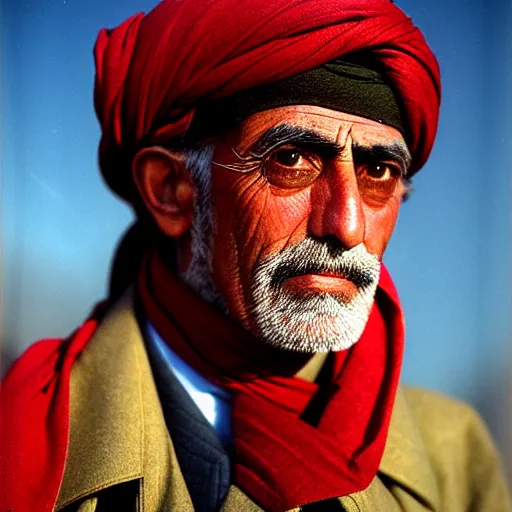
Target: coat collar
pixel 117 426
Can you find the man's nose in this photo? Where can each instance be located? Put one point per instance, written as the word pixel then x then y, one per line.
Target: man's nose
pixel 336 205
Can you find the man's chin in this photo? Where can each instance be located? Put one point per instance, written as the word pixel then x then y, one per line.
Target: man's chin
pixel 307 345
pixel 311 332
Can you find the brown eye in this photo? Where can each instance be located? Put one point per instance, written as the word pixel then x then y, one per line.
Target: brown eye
pixel 289 167
pixel 287 157
pixel 379 171
pixel 377 181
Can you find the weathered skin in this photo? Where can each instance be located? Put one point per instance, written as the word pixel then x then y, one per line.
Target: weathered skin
pixel 255 218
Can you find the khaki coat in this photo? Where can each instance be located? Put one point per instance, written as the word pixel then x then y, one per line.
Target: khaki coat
pixel 438 455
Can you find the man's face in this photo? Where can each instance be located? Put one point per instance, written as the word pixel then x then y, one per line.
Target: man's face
pixel 304 201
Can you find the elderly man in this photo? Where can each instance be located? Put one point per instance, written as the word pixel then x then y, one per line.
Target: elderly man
pixel 253 363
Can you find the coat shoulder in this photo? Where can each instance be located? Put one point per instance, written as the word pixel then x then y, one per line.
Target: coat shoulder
pixel 439 416
pixel 461 450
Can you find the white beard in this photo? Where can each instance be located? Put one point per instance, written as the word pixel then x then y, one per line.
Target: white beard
pixel 317 321
pixel 312 322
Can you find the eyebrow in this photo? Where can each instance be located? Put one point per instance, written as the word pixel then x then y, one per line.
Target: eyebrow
pixel 306 138
pixel 396 152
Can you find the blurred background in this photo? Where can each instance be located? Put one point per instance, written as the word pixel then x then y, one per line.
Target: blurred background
pixel 451 255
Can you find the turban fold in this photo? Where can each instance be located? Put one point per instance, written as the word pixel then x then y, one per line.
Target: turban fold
pixel 153 70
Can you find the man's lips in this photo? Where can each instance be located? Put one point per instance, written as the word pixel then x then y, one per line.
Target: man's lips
pixel 324 283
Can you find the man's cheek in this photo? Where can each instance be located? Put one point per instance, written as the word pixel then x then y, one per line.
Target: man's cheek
pixel 280 223
pixel 257 210
pixel 286 215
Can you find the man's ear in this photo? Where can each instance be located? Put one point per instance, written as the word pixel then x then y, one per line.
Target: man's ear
pixel 166 189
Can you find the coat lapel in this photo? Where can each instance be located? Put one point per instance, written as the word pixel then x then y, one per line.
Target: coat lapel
pixel 117 430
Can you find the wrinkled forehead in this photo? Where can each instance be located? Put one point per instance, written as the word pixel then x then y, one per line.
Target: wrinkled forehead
pixel 332 125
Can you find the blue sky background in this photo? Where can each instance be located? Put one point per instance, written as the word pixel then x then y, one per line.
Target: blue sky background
pixel 451 253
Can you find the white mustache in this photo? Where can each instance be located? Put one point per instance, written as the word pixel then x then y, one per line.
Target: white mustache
pixel 312 256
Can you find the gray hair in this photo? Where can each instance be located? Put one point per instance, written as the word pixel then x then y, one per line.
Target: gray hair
pixel 199 274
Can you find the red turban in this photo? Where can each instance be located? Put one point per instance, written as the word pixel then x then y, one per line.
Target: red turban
pixel 153 69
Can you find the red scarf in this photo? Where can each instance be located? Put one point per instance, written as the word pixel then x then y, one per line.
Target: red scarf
pixel 34 421
pixel 281 461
